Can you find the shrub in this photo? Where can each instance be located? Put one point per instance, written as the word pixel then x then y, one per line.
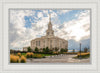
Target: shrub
pixel 28 55
pixel 17 57
pixel 38 56
pixel 19 54
pixel 55 53
pixel 56 49
pixel 83 54
pixel 14 59
pixel 31 55
pixel 63 50
pixel 23 59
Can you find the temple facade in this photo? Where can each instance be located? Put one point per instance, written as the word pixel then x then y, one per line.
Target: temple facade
pixel 49 40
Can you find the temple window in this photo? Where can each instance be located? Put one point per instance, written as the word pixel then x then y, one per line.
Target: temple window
pixel 36 43
pixel 39 43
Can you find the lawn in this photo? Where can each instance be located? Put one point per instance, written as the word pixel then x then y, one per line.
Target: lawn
pixel 35 54
pixel 83 55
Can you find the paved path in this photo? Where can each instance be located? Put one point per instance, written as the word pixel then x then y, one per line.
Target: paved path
pixel 59 59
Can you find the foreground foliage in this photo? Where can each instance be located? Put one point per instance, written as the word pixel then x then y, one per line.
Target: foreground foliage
pixel 17 59
pixel 19 54
pixel 23 59
pixel 83 55
pixel 29 55
pixel 14 58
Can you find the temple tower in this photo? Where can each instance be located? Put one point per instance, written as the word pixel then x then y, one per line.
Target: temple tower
pixel 50 31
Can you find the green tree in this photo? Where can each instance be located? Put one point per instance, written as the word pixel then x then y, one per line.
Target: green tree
pixel 56 49
pixel 47 50
pixel 44 50
pixel 29 49
pixel 62 50
pixel 36 49
pixel 11 51
pixel 85 49
pixel 65 50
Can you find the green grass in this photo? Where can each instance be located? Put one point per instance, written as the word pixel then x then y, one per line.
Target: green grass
pixel 23 54
pixel 82 57
pixel 35 53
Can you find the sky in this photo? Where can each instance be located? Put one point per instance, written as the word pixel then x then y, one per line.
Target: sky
pixel 28 24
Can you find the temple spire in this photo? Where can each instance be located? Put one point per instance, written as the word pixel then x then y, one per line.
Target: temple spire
pixel 49 31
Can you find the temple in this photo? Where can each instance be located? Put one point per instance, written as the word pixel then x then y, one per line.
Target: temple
pixel 49 40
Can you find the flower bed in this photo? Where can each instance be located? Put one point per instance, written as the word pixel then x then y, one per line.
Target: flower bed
pixel 84 55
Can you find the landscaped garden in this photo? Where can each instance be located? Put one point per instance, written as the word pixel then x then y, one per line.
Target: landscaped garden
pixel 22 56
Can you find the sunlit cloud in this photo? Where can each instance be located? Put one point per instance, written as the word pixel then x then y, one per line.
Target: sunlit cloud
pixel 20 35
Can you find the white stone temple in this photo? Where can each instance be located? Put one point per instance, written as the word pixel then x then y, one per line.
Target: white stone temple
pixel 50 40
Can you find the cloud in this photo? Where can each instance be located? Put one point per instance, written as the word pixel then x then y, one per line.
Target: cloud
pixel 40 14
pixel 17 31
pixel 20 36
pixel 63 11
pixel 76 29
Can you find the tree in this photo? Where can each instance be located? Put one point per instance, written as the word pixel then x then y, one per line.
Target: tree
pixel 65 50
pixel 85 49
pixel 56 49
pixel 11 51
pixel 47 50
pixel 29 49
pixel 44 50
pixel 62 50
pixel 36 49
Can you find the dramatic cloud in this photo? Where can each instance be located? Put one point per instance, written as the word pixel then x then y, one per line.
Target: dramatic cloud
pixel 18 34
pixel 40 14
pixel 26 25
pixel 77 28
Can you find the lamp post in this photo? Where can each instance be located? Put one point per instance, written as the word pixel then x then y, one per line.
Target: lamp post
pixel 80 51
